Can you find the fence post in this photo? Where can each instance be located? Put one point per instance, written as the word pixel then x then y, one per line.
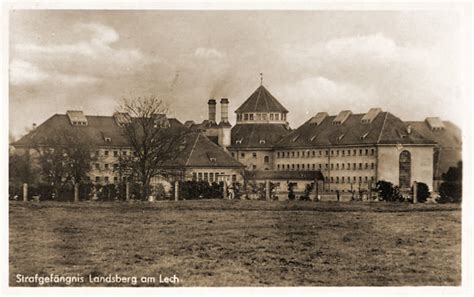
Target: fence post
pixel 224 192
pixel 370 191
pixel 267 189
pixel 415 190
pixel 176 190
pixel 76 192
pixel 316 187
pixel 127 191
pixel 25 192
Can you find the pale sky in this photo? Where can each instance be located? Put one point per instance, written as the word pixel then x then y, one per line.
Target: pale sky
pixel 410 63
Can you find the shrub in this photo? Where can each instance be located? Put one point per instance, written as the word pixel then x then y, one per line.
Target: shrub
pixel 291 193
pixel 307 191
pixel 422 192
pixel 388 192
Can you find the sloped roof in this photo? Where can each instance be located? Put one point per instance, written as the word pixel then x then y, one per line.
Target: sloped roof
pixel 261 101
pixel 449 137
pixel 205 124
pixel 97 129
pixel 200 151
pixel 288 175
pixel 250 135
pixel 449 140
pixel 384 129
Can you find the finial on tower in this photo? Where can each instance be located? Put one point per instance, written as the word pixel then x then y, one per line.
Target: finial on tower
pixel 261 78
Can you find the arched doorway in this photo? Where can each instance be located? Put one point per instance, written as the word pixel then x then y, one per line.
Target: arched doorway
pixel 404 170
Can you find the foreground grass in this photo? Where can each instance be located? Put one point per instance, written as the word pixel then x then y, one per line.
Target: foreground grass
pixel 241 243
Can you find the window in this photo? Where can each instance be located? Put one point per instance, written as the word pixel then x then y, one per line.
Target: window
pixel 233 155
pixel 320 153
pixel 97 178
pixel 116 166
pixel 124 153
pixel 342 179
pixel 106 179
pixel 246 117
pixel 360 152
pixel 254 166
pixel 348 165
pixel 96 153
pixel 115 179
pixel 234 178
pixel 115 153
pixel 278 166
pixel 292 154
pixel 277 116
pixel 297 166
pixel 372 165
pixel 372 152
pixel 354 166
pixel 314 153
pixel 266 159
pixel 106 166
pixel 278 154
pixel 298 154
pixel 194 176
pixel 327 152
pixel 337 179
pixel 97 166
pixel 271 117
pixel 366 152
pixel 332 153
pixel 314 166
pixel 360 166
pixel 342 166
pixel 292 166
pixel 205 176
pixel 348 152
pixel 320 166
pixel 360 179
pixel 199 176
pixel 242 155
pixel 251 116
pixel 106 153
pixel 337 152
pixel 264 116
pixel 326 166
pixel 355 152
pixel 254 155
pixel 287 166
pixel 366 179
pixel 211 176
pixel 343 153
pixel 302 166
pixel 332 179
pixel 337 166
pixel 332 166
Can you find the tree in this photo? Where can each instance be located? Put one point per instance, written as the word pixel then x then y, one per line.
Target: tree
pixel 450 189
pixel 64 157
pixel 155 143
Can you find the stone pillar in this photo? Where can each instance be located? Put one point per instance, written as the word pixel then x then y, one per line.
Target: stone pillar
pixel 127 191
pixel 415 190
pixel 176 190
pixel 76 192
pixel 267 190
pixel 224 190
pixel 25 192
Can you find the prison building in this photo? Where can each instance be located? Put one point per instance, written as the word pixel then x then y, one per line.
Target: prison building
pixel 108 141
pixel 448 149
pixel 261 122
pixel 354 150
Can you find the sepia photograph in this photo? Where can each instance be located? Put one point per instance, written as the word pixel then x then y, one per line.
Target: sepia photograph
pixel 237 146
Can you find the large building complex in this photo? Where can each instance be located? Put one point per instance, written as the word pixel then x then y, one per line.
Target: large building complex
pixel 349 151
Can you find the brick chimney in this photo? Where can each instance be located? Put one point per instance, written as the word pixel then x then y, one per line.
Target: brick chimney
pixel 212 110
pixel 224 110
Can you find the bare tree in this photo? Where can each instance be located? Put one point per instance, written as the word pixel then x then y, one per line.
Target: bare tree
pixel 154 141
pixel 64 157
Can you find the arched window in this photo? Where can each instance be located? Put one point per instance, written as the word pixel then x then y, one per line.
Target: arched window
pixel 404 169
pixel 266 159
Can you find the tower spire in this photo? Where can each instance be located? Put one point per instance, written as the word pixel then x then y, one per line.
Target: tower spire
pixel 261 78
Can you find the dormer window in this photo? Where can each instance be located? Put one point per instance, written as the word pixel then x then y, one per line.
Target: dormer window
pixel 313 138
pixel 341 137
pixel 295 138
pixel 262 141
pixel 364 136
pixel 239 141
pixel 108 139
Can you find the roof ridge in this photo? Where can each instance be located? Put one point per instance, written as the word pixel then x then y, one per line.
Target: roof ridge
pixel 258 96
pixel 266 101
pixel 383 126
pixel 192 150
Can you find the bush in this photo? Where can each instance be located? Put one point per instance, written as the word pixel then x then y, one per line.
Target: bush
pixel 388 192
pixel 307 191
pixel 422 193
pixel 291 193
pixel 200 190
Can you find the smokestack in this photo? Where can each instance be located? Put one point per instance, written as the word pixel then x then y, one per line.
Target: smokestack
pixel 224 110
pixel 212 110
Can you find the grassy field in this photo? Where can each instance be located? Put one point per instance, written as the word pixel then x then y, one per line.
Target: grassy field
pixel 240 243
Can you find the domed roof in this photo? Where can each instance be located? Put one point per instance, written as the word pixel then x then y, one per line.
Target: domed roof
pixel 261 101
